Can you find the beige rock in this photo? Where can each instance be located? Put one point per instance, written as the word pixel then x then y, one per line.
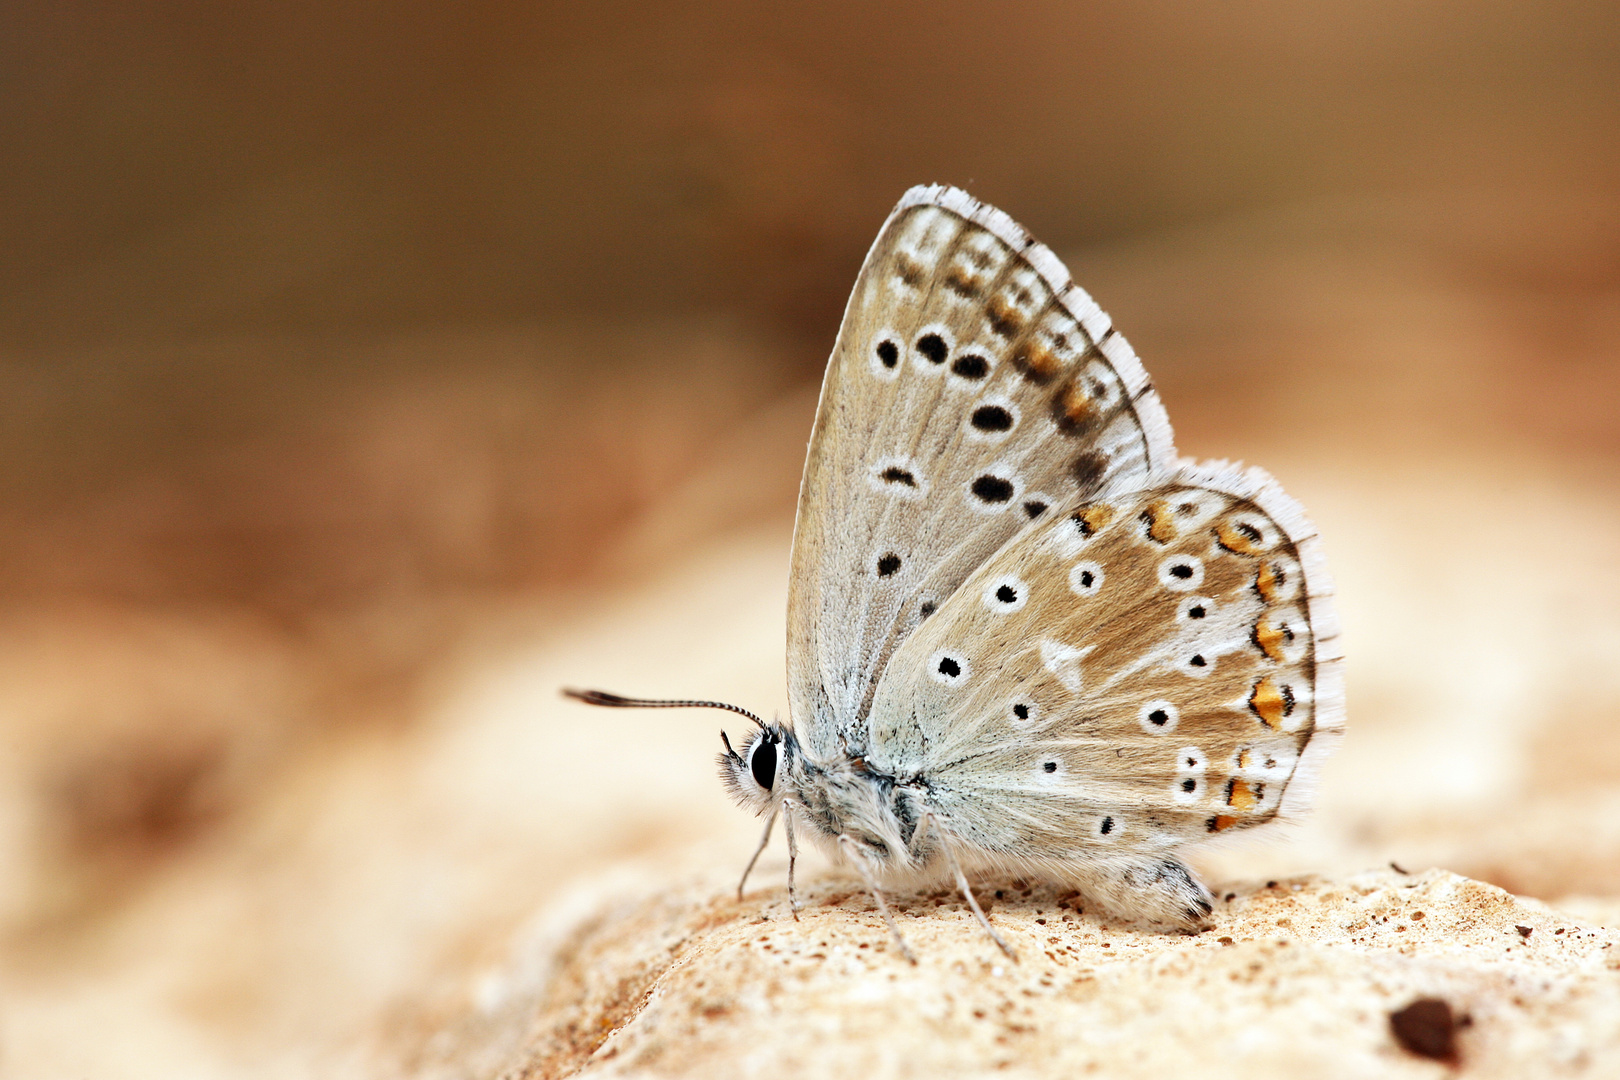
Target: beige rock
pixel 650 972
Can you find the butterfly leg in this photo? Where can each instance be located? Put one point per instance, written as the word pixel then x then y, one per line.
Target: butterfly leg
pixel 793 857
pixel 853 852
pixel 962 884
pixel 1158 890
pixel 764 840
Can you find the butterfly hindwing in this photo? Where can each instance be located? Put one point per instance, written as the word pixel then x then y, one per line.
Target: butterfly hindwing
pixel 1146 669
pixel 973 390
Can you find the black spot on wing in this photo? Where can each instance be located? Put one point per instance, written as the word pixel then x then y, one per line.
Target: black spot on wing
pixel 894 474
pixel 971 366
pixel 932 346
pixel 992 489
pixel 992 418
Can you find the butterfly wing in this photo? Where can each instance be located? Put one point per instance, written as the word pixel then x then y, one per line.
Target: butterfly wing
pixel 973 389
pixel 1146 669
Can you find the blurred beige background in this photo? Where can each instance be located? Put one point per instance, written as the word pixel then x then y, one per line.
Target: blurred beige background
pixel 370 370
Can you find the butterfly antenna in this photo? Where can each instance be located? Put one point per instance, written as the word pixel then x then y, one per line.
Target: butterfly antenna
pixel 602 697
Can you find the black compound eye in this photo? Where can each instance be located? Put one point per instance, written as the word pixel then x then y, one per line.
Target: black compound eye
pixel 762 763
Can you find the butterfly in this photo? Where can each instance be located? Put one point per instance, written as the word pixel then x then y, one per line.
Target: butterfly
pixel 1024 636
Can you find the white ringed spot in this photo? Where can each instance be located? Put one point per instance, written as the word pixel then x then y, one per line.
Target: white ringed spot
pixel 1005 595
pixel 1197 663
pixel 931 347
pixel 1181 573
pixel 1195 608
pixel 992 419
pixel 949 668
pixel 897 477
pixel 1024 712
pixel 1186 789
pixel 973 365
pixel 884 354
pixel 1159 717
pixel 1086 579
pixel 993 490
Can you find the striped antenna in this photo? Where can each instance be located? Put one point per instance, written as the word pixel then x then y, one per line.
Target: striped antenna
pixel 617 701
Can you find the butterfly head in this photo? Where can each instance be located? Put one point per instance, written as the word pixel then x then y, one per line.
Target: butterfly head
pixel 754 775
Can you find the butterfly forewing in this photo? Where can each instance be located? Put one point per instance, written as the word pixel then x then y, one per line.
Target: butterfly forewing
pixel 972 392
pixel 1144 669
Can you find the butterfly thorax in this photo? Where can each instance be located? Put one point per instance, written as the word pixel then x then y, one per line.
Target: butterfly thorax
pixel 842 796
pixel 846 797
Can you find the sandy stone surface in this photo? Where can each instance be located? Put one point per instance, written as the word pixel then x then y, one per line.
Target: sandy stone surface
pixel 644 972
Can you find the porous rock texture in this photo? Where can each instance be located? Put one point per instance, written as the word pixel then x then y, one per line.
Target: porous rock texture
pixel 642 972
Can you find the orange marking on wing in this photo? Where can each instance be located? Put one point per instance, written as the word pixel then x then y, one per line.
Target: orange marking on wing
pixel 1271 637
pixel 1005 319
pixel 1270 581
pixel 1073 408
pixel 1094 518
pixel 963 283
pixel 1271 702
pixel 1238 538
pixel 1161 522
pixel 1221 821
pixel 1039 364
pixel 1240 796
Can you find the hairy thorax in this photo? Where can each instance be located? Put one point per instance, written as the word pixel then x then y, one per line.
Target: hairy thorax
pixel 883 815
